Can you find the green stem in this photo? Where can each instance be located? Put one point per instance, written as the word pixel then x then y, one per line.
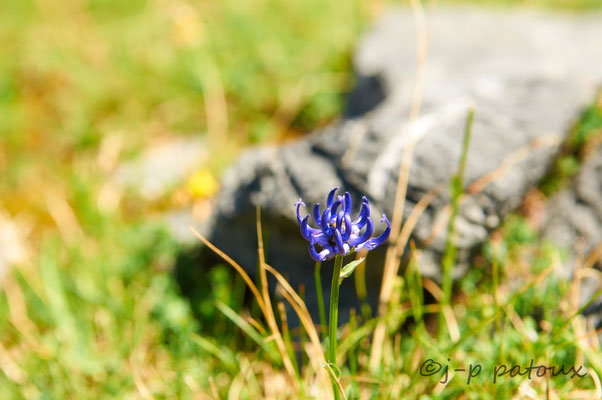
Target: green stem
pixel 334 313
pixel 456 188
pixel 496 303
pixel 353 355
pixel 496 272
pixel 320 294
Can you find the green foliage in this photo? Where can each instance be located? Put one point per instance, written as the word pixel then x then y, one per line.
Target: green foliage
pixel 348 269
pixel 584 135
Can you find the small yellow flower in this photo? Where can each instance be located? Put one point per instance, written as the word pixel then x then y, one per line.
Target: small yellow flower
pixel 187 29
pixel 202 184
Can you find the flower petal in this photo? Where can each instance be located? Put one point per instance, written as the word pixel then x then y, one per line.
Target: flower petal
pixel 324 222
pixel 317 213
pixel 348 228
pixel 364 214
pixel 326 253
pixel 321 240
pixel 340 217
pixel 375 242
pixel 347 203
pixel 357 241
pixel 299 203
pixel 305 229
pixel 340 246
pixel 333 209
pixel 330 198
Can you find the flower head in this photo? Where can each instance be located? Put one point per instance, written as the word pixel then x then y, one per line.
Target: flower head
pixel 336 233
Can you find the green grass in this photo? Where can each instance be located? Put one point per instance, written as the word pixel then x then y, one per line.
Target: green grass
pixel 95 310
pixel 581 140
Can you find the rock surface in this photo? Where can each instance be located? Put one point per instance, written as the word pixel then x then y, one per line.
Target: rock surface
pixel 573 221
pixel 576 212
pixel 527 76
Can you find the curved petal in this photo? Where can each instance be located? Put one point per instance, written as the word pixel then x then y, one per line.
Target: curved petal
pixel 321 240
pixel 348 228
pixel 317 213
pixel 330 198
pixel 357 241
pixel 340 217
pixel 305 232
pixel 340 245
pixel 347 203
pixel 333 209
pixel 299 203
pixel 364 214
pixel 326 253
pixel 311 229
pixel 324 222
pixel 375 242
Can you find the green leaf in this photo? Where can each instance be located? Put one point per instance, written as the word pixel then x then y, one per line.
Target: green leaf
pixel 222 353
pixel 348 269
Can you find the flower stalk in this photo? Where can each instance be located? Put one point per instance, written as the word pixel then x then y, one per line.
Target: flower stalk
pixel 334 314
pixel 320 296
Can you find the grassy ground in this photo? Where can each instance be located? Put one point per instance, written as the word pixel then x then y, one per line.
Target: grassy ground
pixel 91 309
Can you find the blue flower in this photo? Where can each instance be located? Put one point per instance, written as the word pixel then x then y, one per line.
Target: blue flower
pixel 336 234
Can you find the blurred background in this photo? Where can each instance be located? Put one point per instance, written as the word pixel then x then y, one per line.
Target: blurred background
pixel 114 112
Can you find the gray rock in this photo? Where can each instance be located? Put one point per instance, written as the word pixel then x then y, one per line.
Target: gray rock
pixel 573 221
pixel 576 212
pixel 526 74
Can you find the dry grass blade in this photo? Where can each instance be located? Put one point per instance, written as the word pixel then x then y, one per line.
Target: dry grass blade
pixel 512 159
pixel 266 310
pixel 432 288
pixel 452 324
pixel 412 220
pixel 301 310
pixel 242 380
pixel 235 265
pixel 528 334
pixel 269 312
pixel 64 217
pixel 308 324
pixel 597 383
pixel 143 389
pixel 593 257
pixel 255 324
pixel 298 302
pixel 442 385
pixel 213 387
pixel 17 309
pixel 526 391
pixel 10 368
pixel 334 376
